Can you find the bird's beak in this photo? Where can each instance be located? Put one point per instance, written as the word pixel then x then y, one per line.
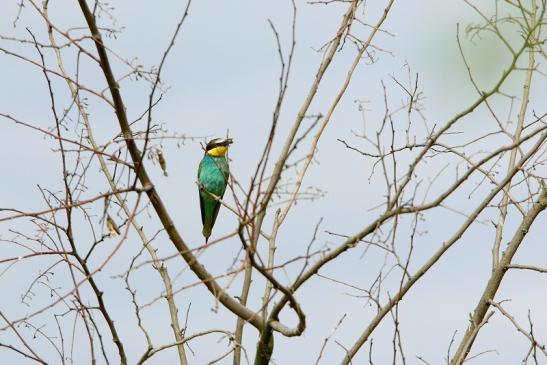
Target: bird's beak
pixel 228 142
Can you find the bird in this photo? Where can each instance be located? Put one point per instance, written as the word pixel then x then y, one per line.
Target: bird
pixel 213 175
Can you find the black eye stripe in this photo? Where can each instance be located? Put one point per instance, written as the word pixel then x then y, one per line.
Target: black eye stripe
pixel 217 143
pixel 211 146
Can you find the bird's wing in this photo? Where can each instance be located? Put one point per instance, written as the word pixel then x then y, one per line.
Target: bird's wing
pixel 202 208
pixel 223 167
pixel 215 213
pixel 215 210
pixel 201 205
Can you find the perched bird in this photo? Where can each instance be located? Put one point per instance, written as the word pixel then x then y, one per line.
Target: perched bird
pixel 212 180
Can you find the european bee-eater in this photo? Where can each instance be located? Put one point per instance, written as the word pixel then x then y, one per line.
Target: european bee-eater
pixel 212 180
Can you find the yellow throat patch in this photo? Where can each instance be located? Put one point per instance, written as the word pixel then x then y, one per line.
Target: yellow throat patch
pixel 218 151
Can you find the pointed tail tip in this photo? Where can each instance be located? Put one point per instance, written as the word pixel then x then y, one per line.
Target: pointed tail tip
pixel 206 233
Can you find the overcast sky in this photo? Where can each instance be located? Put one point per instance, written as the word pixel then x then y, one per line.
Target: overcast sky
pixel 222 77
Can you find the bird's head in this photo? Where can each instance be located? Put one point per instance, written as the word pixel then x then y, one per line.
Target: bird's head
pixel 218 147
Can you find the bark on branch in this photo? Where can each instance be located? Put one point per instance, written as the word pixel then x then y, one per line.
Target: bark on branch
pixel 496 278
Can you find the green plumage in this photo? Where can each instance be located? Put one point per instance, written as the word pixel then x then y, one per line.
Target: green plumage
pixel 212 178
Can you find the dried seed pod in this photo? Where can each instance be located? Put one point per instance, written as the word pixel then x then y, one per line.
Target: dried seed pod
pixel 162 162
pixel 112 226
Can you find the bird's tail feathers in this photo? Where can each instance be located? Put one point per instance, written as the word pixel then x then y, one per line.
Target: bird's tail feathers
pixel 206 232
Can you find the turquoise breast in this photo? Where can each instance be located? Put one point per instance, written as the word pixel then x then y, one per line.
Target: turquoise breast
pixel 213 175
